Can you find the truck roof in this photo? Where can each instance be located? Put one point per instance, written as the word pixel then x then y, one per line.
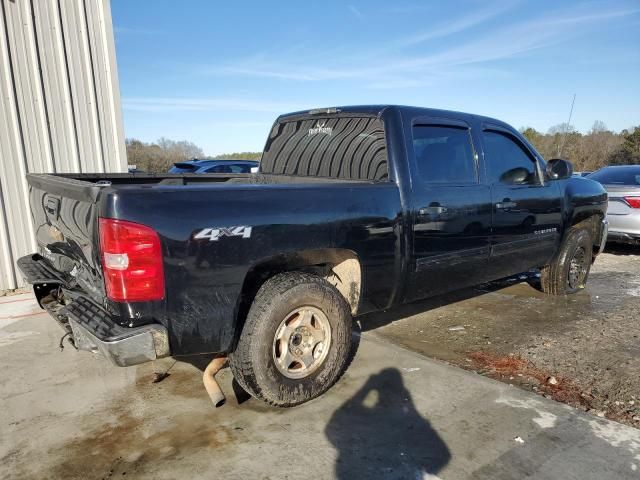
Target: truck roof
pixel 377 110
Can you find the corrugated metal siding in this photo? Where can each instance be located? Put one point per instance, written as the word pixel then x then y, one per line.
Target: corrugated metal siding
pixel 59 106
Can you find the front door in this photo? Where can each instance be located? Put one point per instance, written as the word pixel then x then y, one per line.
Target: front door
pixel 526 211
pixel 451 210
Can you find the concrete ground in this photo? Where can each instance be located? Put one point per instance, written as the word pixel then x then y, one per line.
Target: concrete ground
pixel 395 414
pixel 588 342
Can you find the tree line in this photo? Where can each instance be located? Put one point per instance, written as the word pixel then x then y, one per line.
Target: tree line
pixel 159 156
pixel 589 151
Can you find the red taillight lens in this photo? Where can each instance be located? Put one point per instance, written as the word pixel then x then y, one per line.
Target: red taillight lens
pixel 634 202
pixel 131 261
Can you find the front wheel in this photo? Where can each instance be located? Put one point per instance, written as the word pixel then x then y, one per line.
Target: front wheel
pixel 295 342
pixel 569 269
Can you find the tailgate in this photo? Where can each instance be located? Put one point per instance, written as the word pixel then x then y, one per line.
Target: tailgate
pixel 64 213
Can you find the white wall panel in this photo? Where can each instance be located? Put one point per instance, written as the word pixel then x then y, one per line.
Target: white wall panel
pixel 59 106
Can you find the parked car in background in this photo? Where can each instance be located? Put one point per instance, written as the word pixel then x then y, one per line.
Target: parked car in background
pixel 214 166
pixel 623 186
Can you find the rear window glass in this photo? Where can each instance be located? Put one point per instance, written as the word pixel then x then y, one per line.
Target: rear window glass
pixel 344 147
pixel 182 169
pixel 617 176
pixel 228 169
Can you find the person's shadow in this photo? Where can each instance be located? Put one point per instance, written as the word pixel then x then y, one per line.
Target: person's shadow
pixel 379 434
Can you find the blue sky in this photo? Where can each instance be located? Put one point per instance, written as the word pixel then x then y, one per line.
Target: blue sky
pixel 218 73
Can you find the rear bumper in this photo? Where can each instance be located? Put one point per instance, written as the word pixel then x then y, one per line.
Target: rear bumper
pixel 91 327
pixel 624 237
pixel 95 331
pixel 624 228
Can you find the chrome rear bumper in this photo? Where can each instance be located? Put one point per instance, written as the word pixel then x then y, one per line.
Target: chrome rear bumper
pixel 137 345
pixel 91 327
pixel 94 330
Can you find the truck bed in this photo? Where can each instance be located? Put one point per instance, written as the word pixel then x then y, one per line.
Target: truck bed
pixel 282 216
pixel 196 179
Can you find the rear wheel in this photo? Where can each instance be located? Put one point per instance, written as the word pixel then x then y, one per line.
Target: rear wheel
pixel 569 270
pixel 295 342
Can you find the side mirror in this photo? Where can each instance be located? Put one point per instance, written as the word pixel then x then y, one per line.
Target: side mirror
pixel 558 169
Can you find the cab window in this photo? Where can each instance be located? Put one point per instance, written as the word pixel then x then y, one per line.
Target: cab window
pixel 444 154
pixel 508 163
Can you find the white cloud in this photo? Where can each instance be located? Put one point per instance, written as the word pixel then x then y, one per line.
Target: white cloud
pixel 221 104
pixel 356 13
pixel 393 66
pixel 464 23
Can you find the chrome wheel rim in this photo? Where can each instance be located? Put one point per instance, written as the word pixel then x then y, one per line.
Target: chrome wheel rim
pixel 577 269
pixel 301 342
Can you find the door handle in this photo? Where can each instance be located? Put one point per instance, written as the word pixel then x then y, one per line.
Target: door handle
pixel 505 205
pixel 432 210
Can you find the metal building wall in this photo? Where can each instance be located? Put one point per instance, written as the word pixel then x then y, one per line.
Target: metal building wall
pixel 59 106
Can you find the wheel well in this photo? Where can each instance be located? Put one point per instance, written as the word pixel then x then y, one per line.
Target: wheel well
pixel 592 224
pixel 340 267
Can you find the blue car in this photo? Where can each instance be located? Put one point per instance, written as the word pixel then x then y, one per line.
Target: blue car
pixel 214 166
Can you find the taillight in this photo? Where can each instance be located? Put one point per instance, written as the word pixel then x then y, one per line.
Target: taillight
pixel 634 202
pixel 131 261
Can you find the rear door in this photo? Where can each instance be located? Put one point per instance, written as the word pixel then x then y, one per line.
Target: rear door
pixel 450 207
pixel 526 211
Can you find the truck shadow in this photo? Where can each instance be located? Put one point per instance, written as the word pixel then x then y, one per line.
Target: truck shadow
pixel 378 433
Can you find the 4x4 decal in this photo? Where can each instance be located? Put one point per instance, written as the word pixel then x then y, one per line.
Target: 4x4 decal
pixel 214 234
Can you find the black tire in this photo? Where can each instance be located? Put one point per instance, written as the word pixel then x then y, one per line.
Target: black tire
pixel 569 270
pixel 253 363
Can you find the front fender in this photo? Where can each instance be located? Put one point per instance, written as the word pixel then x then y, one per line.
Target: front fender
pixel 585 202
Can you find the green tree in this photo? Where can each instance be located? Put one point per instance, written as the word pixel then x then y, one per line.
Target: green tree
pixel 158 157
pixel 531 134
pixel 239 156
pixel 587 152
pixel 629 152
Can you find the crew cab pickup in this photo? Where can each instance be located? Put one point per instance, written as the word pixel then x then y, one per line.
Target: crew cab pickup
pixel 354 209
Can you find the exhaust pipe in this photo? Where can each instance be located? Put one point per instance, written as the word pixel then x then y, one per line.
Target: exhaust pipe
pixel 210 383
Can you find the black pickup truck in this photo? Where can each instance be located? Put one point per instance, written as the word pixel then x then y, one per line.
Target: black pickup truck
pixel 354 209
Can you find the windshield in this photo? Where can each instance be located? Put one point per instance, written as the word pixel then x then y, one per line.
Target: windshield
pixel 617 176
pixel 346 147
